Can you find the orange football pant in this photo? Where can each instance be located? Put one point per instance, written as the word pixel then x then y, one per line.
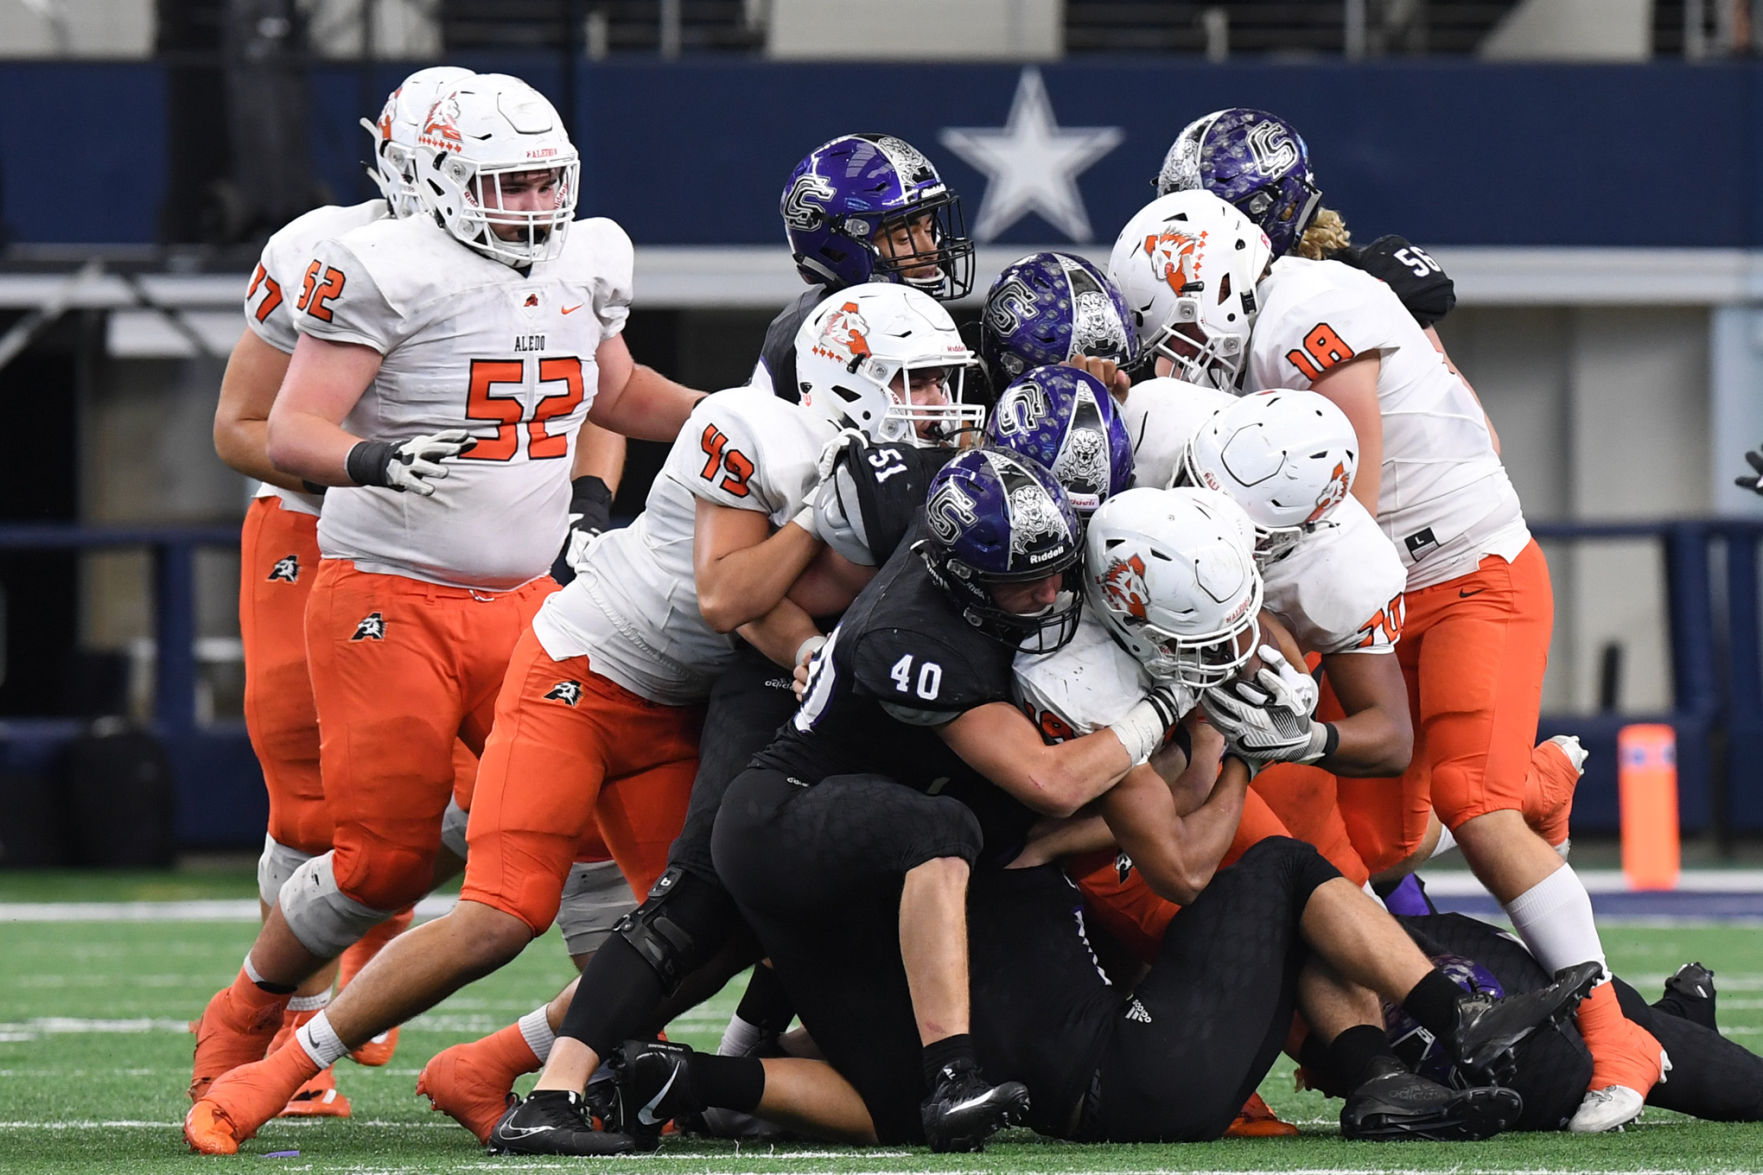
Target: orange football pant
pixel 570 749
pixel 1474 650
pixel 401 669
pixel 278 560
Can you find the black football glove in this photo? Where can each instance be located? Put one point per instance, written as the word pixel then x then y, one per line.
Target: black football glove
pixel 1753 480
pixel 1422 284
pixel 590 513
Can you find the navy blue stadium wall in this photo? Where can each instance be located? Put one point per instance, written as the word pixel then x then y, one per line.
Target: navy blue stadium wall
pixel 1450 152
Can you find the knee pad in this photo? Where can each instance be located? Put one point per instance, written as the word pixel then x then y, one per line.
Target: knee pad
pixel 679 926
pixel 325 920
pixel 1299 861
pixel 453 823
pixel 275 866
pixel 595 899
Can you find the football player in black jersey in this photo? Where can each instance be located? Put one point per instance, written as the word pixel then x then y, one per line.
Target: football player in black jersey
pixel 849 842
pixel 864 208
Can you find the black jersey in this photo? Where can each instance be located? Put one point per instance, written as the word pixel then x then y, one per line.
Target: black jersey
pixel 879 491
pixel 778 354
pixel 901 663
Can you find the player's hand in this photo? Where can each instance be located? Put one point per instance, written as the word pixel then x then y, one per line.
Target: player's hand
pixel 590 513
pixel 1286 684
pixel 1256 726
pixel 1753 480
pixel 845 438
pixel 1422 284
pixel 1110 373
pixel 413 465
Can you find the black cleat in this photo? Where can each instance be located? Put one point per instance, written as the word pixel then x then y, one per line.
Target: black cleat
pixel 553 1122
pixel 1689 995
pixel 653 1087
pixel 963 1110
pixel 1487 1029
pixel 1393 1105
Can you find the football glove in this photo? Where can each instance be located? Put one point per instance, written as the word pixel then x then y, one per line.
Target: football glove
pixel 1142 729
pixel 1753 480
pixel 1287 685
pixel 413 465
pixel 1426 290
pixel 590 513
pixel 1256 726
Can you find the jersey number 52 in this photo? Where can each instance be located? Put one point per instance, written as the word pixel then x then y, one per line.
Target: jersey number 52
pixel 508 410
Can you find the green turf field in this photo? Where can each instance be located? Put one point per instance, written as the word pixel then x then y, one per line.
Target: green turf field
pixel 94 1058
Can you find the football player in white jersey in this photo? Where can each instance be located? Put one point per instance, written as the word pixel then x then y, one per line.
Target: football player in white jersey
pixel 1478 607
pixel 466 343
pixel 279 551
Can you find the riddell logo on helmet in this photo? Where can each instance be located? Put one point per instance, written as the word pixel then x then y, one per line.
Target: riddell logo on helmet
pixel 1332 493
pixel 1175 257
pixel 845 328
pixel 1124 585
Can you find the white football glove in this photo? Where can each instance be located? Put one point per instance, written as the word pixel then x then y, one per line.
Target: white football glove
pixel 829 453
pixel 1285 683
pixel 1257 726
pixel 407 465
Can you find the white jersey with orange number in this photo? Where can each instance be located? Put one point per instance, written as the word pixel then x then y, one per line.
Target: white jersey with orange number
pixel 468 343
pixel 1444 498
pixel 634 609
pixel 1339 589
pixel 1090 683
pixel 1161 416
pixel 269 308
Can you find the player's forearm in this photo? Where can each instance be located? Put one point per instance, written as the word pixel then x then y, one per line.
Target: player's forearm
pixel 780 633
pixel 599 453
pixel 649 407
pixel 254 373
pixel 1062 778
pixel 1177 855
pixel 244 446
pixel 746 584
pixel 1063 838
pixel 308 447
pixel 1373 744
pixel 829 584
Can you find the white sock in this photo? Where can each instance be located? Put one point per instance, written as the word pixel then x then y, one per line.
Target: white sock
pixel 1447 842
pixel 537 1030
pixel 310 1003
pixel 1554 918
pixel 321 1041
pixel 739 1039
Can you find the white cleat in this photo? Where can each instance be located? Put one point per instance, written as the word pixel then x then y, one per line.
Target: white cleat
pixel 1607 1109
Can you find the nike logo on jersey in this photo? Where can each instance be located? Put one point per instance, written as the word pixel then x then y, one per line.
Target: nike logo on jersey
pixel 1464 595
pixel 286 569
pixel 371 628
pixel 647 1115
pixel 572 309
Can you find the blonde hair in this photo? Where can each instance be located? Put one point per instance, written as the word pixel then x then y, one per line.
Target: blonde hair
pixel 1326 233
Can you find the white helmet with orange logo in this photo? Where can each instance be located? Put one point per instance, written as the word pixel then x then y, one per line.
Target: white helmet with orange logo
pixel 1188 264
pixel 1288 458
pixel 1171 574
pixel 856 355
pixel 485 128
pixel 394 135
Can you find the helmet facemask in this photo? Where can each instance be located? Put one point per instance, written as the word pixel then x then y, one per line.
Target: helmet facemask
pixel 938 216
pixel 539 233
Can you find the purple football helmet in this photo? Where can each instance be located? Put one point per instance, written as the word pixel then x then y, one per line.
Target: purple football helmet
pixel 846 193
pixel 995 517
pixel 1066 420
pixel 1419 1049
pixel 1254 160
pixel 1046 308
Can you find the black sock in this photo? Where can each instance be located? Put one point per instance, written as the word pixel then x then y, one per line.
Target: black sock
pixel 1433 1002
pixel 1314 1059
pixel 941 1052
pixel 1351 1053
pixel 731 1083
pixel 765 1004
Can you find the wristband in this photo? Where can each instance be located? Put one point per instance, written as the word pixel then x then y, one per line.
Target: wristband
pixel 313 488
pixel 367 461
pixel 809 647
pixel 589 491
pixel 1332 742
pixel 1141 730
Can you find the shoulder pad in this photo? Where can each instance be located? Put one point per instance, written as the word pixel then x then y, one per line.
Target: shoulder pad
pixel 874 496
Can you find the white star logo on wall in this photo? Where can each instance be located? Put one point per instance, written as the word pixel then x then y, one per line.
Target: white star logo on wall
pixel 1032 163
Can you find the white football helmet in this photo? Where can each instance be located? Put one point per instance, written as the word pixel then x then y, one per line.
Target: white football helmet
pixel 394 135
pixel 1188 264
pixel 485 129
pixel 1172 575
pixel 1286 457
pixel 1161 416
pixel 857 351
